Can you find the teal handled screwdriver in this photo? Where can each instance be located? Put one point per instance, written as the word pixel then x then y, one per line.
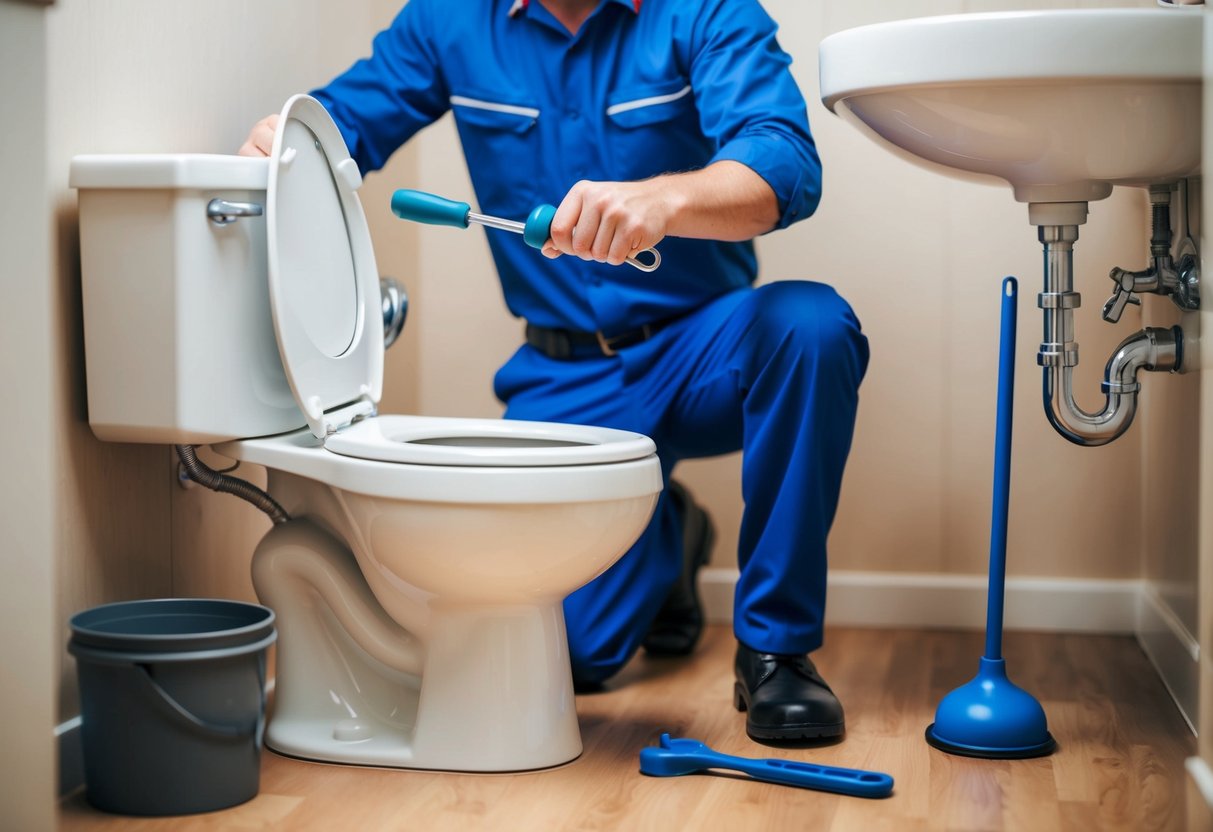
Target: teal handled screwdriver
pixel 419 206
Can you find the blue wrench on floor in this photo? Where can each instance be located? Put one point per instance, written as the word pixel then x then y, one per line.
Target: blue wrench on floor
pixel 683 756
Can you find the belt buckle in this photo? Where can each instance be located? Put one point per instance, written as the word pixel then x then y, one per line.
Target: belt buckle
pixel 607 345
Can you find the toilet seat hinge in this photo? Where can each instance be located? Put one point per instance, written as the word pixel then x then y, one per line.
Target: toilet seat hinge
pixel 345 415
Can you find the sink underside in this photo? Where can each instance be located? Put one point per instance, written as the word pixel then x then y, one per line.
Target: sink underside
pixel 1062 105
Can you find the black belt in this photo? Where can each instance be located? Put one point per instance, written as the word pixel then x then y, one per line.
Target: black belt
pixel 569 343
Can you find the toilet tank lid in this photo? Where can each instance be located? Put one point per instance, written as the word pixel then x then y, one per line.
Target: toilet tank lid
pixel 204 171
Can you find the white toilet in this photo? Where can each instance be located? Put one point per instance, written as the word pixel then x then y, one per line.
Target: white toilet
pixel 418 585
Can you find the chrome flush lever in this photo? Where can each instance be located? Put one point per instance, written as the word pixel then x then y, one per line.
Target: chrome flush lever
pixel 222 212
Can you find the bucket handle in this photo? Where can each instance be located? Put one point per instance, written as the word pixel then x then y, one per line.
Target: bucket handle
pixel 222 731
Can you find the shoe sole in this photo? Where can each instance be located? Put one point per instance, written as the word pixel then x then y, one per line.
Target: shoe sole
pixel 810 731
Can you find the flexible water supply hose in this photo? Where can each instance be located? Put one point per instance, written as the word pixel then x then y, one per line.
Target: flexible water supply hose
pixel 204 475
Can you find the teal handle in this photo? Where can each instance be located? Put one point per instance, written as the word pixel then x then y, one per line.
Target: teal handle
pixel 539 226
pixel 538 229
pixel 419 206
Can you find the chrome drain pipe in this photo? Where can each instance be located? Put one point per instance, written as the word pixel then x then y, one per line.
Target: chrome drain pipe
pixel 1152 348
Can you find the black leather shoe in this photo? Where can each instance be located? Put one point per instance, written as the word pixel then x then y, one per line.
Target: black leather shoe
pixel 679 622
pixel 785 697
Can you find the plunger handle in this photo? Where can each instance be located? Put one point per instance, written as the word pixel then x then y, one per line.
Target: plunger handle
pixel 1002 471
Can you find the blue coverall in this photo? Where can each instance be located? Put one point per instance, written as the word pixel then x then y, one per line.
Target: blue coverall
pixel 646 88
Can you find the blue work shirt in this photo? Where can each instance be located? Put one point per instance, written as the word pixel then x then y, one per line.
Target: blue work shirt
pixel 642 89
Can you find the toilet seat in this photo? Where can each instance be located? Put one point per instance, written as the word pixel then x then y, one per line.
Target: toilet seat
pixel 303 455
pixel 486 442
pixel 324 296
pixel 323 282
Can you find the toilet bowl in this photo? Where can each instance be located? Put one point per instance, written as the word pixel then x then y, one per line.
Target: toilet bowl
pixel 468 534
pixel 419 584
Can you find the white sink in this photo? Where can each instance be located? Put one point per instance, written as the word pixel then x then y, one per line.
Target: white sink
pixel 1061 104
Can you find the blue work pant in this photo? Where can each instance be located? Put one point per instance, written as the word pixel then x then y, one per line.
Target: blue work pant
pixel 772 371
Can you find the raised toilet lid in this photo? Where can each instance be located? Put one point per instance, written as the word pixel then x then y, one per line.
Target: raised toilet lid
pixel 487 442
pixel 323 283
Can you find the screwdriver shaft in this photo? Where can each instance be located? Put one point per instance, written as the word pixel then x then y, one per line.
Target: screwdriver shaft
pixel 496 222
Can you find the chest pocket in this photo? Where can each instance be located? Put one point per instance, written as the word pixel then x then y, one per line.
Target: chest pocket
pixel 501 144
pixel 654 129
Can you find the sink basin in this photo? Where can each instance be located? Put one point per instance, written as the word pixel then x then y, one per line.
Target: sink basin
pixel 1060 104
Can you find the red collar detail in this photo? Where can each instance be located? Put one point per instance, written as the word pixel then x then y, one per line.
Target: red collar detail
pixel 520 5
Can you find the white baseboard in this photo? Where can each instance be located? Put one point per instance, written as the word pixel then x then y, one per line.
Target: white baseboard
pixel 1062 605
pixel 1174 651
pixel 1202 779
pixel 927 600
pixel 71 756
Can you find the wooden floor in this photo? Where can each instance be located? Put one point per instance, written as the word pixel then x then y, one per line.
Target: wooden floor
pixel 1119 764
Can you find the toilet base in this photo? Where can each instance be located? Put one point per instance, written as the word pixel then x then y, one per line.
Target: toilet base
pixel 488 689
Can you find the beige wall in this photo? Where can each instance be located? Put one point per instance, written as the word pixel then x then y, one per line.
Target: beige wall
pixel 1170 498
pixel 1204 450
pixel 28 655
pixel 1204 446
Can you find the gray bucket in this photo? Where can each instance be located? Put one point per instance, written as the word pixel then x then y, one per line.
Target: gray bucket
pixel 172 700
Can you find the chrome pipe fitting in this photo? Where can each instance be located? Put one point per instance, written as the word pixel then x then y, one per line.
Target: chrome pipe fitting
pixel 1152 349
pixel 1164 276
pixel 395 304
pixel 1058 300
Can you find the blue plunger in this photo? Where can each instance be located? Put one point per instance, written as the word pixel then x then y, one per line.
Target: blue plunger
pixel 990 716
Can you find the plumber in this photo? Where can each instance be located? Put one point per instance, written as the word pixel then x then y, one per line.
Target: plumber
pixel 658 121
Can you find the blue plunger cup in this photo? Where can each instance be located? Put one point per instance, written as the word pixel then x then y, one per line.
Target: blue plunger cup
pixel 991 716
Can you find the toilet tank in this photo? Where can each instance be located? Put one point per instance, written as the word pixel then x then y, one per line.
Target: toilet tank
pixel 178 335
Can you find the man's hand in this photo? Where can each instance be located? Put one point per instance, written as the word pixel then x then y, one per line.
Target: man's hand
pixel 261 138
pixel 610 221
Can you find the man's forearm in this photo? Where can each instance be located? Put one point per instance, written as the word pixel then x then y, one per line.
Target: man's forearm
pixel 724 201
pixel 607 221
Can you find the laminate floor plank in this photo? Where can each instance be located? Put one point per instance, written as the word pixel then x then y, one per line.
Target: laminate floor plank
pixel 1119 764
